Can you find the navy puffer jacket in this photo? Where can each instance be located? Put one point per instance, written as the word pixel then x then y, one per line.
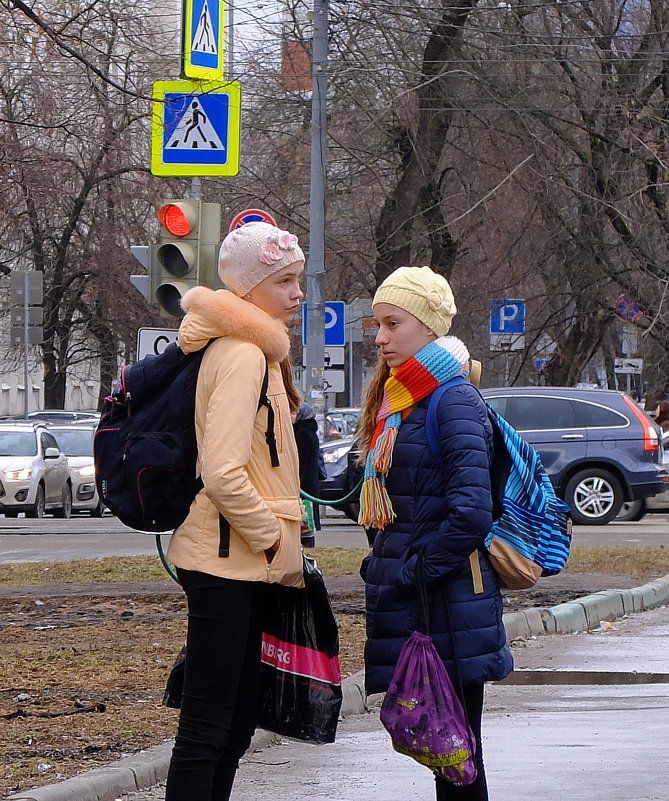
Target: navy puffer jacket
pixel 444 512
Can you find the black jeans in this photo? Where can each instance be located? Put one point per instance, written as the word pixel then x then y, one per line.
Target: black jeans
pixel 219 705
pixel 478 791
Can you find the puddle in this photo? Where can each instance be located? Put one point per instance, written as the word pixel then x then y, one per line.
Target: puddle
pixel 532 677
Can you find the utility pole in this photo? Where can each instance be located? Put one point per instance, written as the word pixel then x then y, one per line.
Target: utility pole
pixel 315 346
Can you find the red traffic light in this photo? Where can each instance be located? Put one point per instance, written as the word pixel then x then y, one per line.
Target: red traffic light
pixel 176 219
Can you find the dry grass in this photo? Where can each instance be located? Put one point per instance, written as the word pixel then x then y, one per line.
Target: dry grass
pixel 332 562
pixel 82 679
pixel 638 562
pixel 641 563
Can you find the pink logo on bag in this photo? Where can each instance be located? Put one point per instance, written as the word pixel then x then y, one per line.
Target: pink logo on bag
pixel 299 660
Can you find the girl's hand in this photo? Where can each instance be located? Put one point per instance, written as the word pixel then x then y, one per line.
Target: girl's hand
pixel 270 552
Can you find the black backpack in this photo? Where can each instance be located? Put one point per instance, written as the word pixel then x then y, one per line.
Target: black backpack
pixel 145 449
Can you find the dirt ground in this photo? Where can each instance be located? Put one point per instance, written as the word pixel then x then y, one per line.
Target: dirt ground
pixel 83 667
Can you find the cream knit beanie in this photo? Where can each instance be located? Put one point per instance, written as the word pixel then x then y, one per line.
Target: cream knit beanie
pixel 421 292
pixel 253 252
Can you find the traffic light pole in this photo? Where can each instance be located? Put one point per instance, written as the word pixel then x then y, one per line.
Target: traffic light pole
pixel 315 346
pixel 26 371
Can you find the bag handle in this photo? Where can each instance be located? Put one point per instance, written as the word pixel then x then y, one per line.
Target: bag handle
pixel 423 603
pixel 458 671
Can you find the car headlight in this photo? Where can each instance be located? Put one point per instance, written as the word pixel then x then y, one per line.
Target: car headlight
pixel 335 454
pixel 87 471
pixel 22 474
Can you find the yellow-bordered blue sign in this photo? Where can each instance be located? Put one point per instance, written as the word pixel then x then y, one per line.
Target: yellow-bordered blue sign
pixel 195 128
pixel 202 39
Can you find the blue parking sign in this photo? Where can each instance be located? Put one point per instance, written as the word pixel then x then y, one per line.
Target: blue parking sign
pixel 507 316
pixel 334 323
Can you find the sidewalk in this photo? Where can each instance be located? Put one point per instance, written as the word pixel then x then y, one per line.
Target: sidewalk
pixel 584 716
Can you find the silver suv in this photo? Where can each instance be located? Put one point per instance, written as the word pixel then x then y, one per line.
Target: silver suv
pixel 34 476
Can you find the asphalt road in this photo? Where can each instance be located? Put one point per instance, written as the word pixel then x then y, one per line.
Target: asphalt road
pixel 49 539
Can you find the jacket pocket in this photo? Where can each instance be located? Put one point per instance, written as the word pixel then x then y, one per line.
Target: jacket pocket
pixel 286 567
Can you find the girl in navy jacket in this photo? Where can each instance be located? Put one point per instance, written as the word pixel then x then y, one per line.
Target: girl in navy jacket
pixel 440 512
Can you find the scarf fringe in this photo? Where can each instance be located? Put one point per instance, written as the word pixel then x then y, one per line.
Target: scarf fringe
pixel 383 451
pixel 376 508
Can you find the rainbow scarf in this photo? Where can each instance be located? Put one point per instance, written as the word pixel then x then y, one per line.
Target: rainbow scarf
pixel 418 377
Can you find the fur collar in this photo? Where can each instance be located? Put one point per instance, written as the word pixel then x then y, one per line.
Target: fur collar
pixel 219 313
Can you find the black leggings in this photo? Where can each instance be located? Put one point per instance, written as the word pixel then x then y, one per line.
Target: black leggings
pixel 478 791
pixel 219 705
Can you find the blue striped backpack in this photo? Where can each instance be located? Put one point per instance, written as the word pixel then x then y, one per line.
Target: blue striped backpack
pixel 531 533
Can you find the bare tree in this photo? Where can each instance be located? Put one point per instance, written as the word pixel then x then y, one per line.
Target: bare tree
pixel 77 146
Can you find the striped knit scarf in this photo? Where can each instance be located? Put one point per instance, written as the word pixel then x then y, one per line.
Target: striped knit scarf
pixel 436 363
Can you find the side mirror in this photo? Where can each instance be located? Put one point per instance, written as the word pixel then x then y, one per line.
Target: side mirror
pixel 51 453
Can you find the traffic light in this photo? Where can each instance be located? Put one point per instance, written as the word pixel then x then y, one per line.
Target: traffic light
pixel 187 251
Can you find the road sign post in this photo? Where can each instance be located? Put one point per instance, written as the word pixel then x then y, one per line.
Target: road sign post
pixel 195 128
pixel 26 295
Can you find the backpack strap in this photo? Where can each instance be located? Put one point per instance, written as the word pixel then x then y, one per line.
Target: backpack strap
pixel 270 439
pixel 432 432
pixel 431 427
pixel 270 436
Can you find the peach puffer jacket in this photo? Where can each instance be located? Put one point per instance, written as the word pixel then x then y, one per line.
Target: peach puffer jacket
pixel 260 502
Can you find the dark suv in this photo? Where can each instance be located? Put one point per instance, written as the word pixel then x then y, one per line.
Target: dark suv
pixel 598 447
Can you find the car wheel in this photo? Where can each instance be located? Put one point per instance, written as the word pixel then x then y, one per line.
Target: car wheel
pixel 99 510
pixel 11 514
pixel 631 511
pixel 37 509
pixel 65 510
pixel 594 496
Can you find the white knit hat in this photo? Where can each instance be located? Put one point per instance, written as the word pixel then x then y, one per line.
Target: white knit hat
pixel 253 252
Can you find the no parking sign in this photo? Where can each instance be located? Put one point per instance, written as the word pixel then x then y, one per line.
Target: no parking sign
pixel 251 215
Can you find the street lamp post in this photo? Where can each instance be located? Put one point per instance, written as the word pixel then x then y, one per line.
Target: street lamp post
pixel 315 345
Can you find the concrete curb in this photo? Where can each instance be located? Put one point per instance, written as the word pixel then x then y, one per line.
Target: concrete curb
pixel 148 768
pixel 586 613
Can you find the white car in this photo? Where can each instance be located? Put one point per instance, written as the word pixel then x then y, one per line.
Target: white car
pixel 76 441
pixel 34 476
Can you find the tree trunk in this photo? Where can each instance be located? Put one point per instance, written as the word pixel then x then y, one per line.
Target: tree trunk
pixel 411 213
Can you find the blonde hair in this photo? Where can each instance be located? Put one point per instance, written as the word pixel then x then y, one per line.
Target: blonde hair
pixel 370 408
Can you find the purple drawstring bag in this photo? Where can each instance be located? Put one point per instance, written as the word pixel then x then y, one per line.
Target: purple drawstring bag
pixel 424 716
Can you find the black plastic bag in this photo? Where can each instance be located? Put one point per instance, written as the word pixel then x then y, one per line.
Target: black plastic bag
pixel 301 691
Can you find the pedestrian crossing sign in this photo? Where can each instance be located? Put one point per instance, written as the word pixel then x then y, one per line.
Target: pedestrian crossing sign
pixel 195 128
pixel 202 39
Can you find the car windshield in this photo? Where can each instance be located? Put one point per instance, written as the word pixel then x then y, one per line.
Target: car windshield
pixel 75 442
pixel 18 443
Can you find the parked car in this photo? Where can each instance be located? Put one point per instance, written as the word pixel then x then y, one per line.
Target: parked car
pixel 34 475
pixel 76 441
pixel 63 416
pixel 341 422
pixel 634 510
pixel 336 455
pixel 599 447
